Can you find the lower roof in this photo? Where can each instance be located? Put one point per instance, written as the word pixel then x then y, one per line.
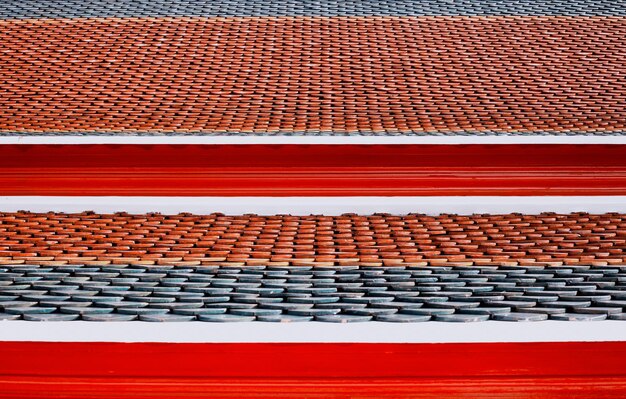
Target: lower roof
pixel 281 268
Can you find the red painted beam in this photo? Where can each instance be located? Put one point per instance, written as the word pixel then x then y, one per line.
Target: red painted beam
pixel 151 370
pixel 312 170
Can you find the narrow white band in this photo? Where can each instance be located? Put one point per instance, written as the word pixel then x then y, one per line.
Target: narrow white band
pixel 317 205
pixel 372 332
pixel 354 139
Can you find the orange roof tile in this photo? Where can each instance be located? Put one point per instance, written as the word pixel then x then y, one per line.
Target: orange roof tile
pixel 314 74
pixel 215 239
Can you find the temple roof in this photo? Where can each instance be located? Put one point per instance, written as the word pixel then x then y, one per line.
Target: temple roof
pixel 312 68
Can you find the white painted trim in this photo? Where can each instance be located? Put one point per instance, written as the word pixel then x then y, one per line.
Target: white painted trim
pixel 317 205
pixel 372 332
pixel 354 139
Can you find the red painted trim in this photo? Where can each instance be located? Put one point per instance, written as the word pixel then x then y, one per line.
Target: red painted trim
pixel 149 370
pixel 313 170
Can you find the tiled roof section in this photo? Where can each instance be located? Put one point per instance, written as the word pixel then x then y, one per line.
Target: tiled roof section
pixel 255 8
pixel 290 294
pixel 371 75
pixel 418 240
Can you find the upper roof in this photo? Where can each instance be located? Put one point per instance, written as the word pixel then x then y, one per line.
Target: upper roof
pixel 405 67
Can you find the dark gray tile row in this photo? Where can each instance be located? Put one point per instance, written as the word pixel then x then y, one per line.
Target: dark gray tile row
pixel 326 294
pixel 243 8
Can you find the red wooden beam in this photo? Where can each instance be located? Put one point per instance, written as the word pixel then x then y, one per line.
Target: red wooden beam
pixel 313 170
pixel 151 370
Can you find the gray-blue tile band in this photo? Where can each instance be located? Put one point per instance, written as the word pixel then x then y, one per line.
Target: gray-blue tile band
pixel 24 9
pixel 342 294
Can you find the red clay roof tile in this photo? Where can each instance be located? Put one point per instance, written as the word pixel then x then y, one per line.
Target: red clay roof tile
pixel 512 239
pixel 309 74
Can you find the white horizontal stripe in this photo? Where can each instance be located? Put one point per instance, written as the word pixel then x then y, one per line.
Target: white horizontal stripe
pixel 373 332
pixel 252 139
pixel 317 205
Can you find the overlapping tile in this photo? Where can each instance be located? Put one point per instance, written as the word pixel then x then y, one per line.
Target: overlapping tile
pixel 27 9
pixel 283 67
pixel 299 294
pixel 157 240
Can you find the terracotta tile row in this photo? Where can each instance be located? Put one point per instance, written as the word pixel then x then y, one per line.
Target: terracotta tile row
pixel 331 74
pixel 215 239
